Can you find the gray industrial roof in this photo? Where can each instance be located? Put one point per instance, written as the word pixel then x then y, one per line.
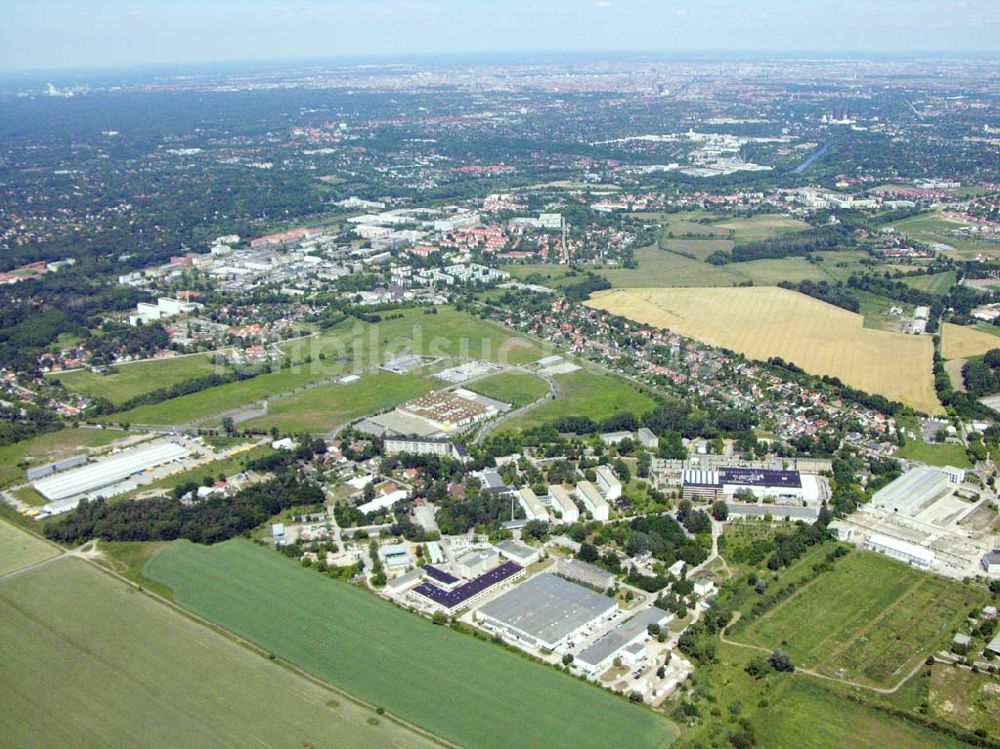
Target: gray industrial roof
pixel 548 608
pixel 110 470
pixel 621 636
pixel 912 491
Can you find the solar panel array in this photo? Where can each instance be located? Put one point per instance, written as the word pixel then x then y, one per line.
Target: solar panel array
pixel 445 578
pixel 450 599
pixel 761 477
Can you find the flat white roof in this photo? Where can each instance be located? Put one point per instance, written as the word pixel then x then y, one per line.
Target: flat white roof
pixel 107 471
pixel 383 502
pixel 902 547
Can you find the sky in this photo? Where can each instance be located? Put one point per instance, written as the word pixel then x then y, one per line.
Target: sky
pixel 80 34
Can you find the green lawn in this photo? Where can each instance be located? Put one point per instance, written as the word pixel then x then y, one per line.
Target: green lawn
pixel 935 283
pixel 20 549
pixel 960 696
pixel 448 333
pixel 870 619
pixel 700 248
pixel 875 309
pixel 804 715
pixel 129 380
pixel 48 447
pixel 935 454
pixel 516 388
pixel 90 662
pixel 323 408
pixel 585 393
pixel 468 691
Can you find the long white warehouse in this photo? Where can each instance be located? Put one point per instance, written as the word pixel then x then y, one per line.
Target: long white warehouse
pixel 108 471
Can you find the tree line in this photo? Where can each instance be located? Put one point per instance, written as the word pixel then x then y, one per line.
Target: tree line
pixel 166 518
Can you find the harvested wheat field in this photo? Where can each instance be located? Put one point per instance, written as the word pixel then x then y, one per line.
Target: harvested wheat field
pixel 960 342
pixel 763 322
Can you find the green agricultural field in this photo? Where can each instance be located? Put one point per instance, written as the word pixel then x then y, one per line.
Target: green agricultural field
pixel 699 248
pixel 48 447
pixel 323 408
pixel 935 454
pixel 869 620
pixel 516 388
pixel 468 691
pixel 19 549
pixel 550 274
pixel 933 227
pixel 585 393
pixel 91 662
pixel 935 283
pixel 446 333
pixel 129 380
pixel 756 228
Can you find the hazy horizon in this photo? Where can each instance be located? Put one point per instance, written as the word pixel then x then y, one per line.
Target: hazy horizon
pixel 110 34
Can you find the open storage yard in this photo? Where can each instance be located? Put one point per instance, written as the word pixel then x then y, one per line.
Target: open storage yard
pixel 467 691
pixel 870 620
pixel 766 322
pixel 90 662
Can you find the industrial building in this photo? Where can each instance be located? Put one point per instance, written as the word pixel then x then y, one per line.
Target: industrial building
pixel 562 504
pixel 647 439
pixel 991 563
pixel 546 612
pixel 582 572
pixel 624 641
pixel 383 502
pixel 397 556
pixel 914 490
pixel 532 506
pixel 106 472
pixel 523 554
pixel 726 482
pixel 476 562
pixel 592 500
pixel 420 446
pixel 613 438
pixel 904 551
pixel 39 472
pixel 164 308
pixel 448 593
pixel 608 483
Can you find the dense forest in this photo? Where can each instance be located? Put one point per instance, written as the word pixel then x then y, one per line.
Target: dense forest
pixel 983 377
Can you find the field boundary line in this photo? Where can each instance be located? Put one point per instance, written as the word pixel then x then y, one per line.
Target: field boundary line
pixel 816 674
pixel 269 656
